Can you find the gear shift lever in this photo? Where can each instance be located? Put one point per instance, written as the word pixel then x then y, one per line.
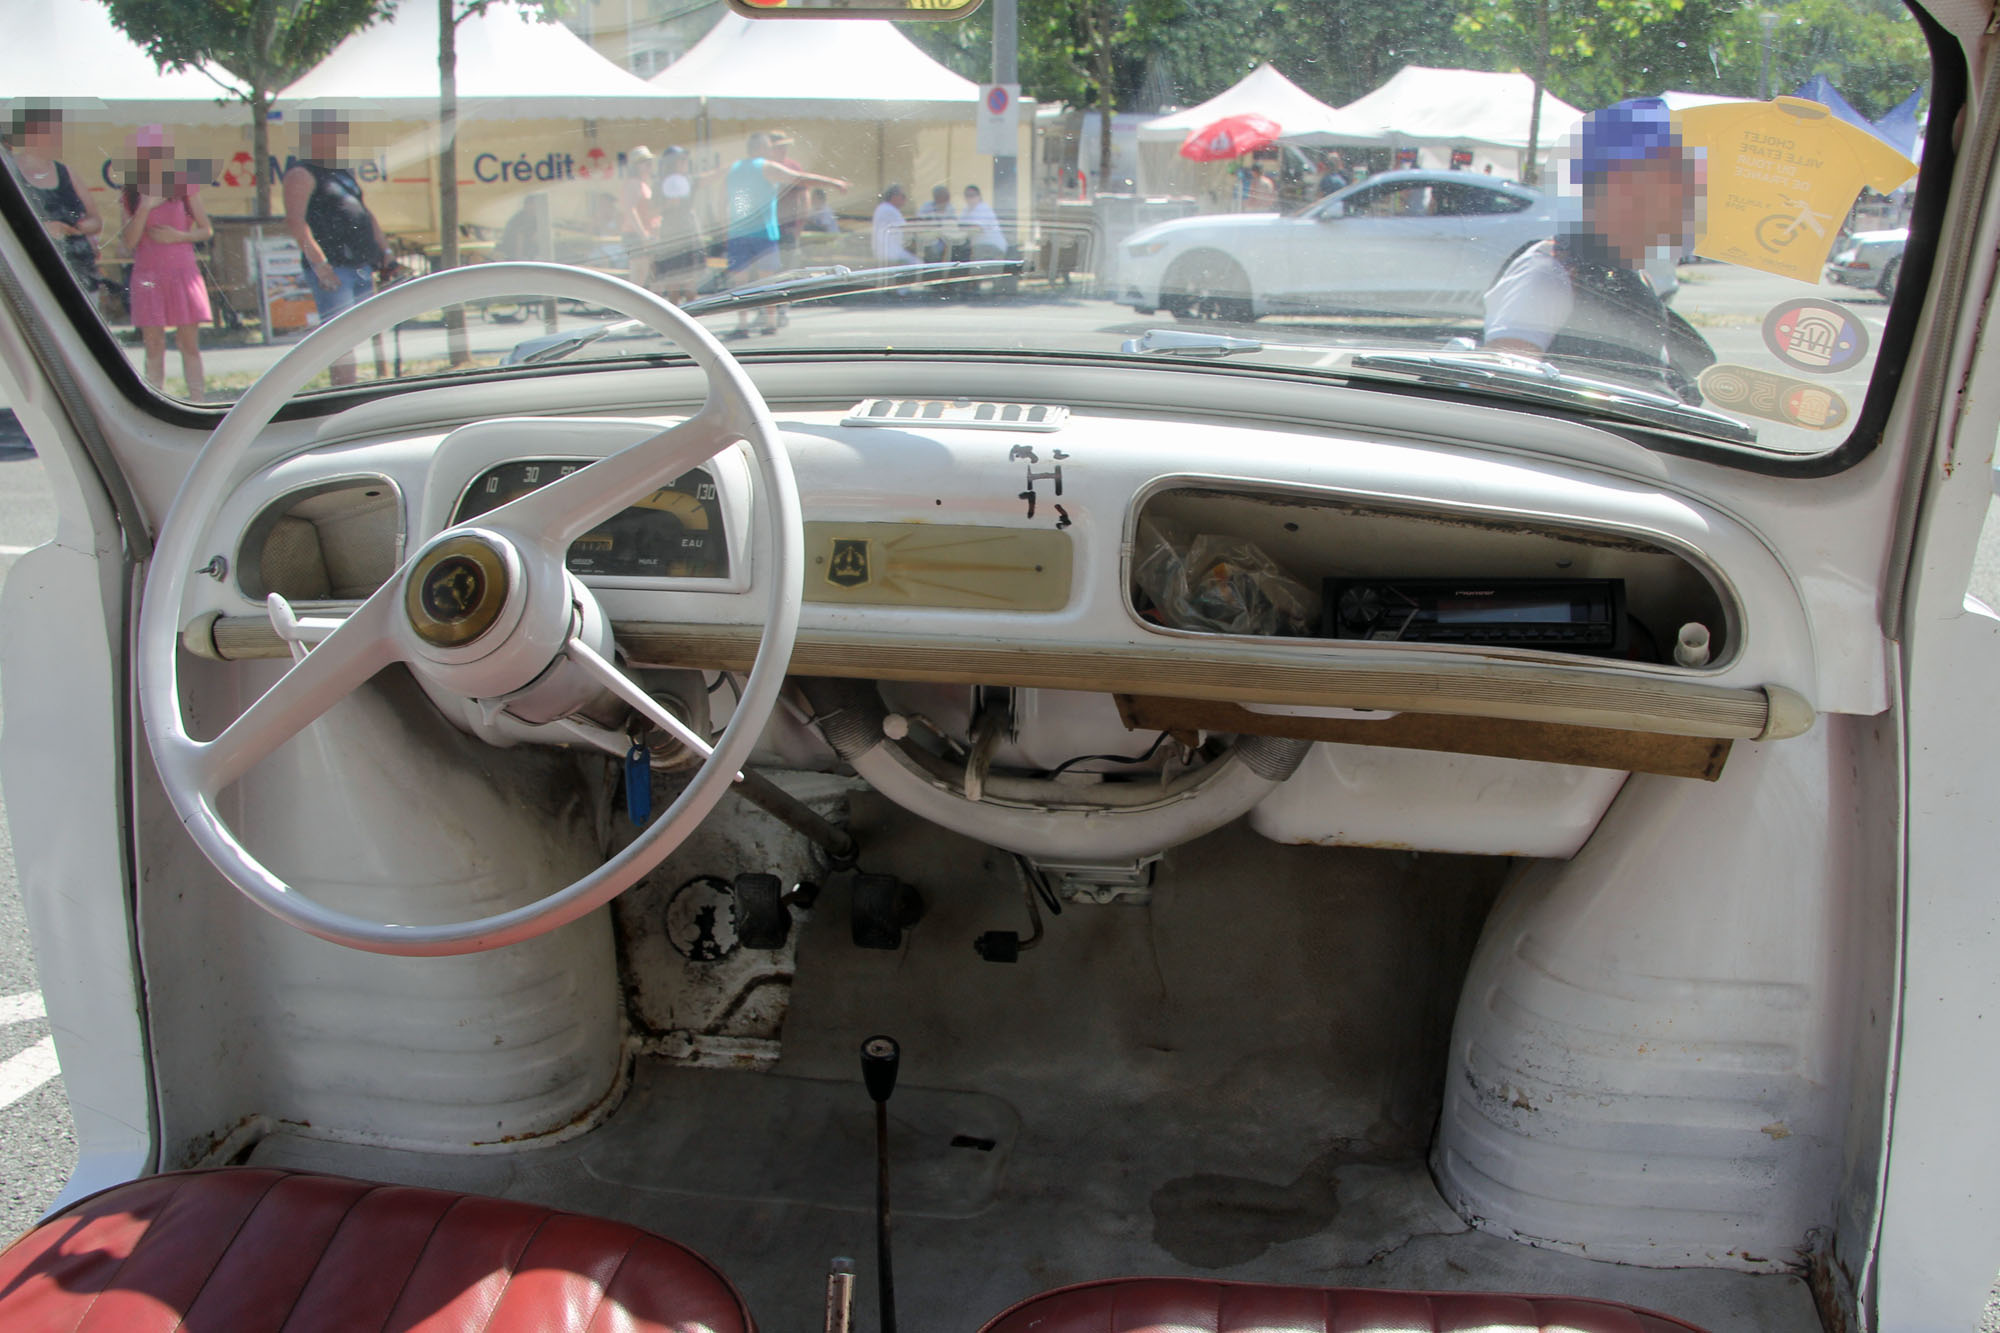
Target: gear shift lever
pixel 880 1057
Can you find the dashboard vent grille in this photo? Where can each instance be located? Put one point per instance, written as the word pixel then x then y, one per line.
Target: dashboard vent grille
pixel 957 413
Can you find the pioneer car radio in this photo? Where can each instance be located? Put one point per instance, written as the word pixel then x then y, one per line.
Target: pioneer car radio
pixel 1566 615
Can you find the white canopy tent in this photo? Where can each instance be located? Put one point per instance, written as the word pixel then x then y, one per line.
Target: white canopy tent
pixel 831 69
pixel 1462 108
pixel 1264 92
pixel 509 67
pixel 67 52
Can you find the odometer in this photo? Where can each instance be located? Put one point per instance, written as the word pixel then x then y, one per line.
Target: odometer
pixel 675 532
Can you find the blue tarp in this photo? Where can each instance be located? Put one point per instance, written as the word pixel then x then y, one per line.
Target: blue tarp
pixel 1820 89
pixel 1899 128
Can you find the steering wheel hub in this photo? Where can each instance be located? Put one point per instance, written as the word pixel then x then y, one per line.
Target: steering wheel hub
pixel 457 589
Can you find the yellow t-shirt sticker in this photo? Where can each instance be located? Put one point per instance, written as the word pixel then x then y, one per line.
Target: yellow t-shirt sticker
pixel 1782 176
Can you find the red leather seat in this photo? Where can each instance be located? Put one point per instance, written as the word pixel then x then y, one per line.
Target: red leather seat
pixel 1198 1305
pixel 245 1249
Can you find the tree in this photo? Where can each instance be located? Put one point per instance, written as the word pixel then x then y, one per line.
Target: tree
pixel 1577 49
pixel 451 13
pixel 1874 52
pixel 265 44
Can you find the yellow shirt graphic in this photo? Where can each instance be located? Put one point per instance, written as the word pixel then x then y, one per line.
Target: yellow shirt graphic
pixel 1781 177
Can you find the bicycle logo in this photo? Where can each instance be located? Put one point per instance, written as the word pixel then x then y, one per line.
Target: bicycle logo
pixel 1777 231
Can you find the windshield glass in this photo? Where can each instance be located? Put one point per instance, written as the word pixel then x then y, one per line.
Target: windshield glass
pixel 1686 215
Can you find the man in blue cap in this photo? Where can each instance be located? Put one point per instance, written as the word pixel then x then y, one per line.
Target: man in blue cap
pixel 1584 293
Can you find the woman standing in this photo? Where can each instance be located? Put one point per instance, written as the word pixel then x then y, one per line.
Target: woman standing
pixel 164 218
pixel 34 137
pixel 338 237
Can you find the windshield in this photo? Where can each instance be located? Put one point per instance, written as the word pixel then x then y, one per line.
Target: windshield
pixel 1619 209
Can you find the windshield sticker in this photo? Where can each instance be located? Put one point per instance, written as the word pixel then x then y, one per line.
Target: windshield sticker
pixel 1815 336
pixel 1781 176
pixel 1759 393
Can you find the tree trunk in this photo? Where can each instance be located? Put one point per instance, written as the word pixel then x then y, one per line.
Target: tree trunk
pixel 1531 172
pixel 447 168
pixel 260 148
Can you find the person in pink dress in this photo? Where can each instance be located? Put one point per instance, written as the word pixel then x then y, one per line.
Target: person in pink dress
pixel 164 218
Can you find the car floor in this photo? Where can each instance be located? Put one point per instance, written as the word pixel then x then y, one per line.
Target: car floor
pixel 1237 1080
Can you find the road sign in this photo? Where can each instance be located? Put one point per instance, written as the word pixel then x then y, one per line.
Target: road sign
pixel 999 119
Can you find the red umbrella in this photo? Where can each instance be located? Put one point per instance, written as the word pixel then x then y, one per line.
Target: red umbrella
pixel 1232 136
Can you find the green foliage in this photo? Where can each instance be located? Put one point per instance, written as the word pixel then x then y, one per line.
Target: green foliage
pixel 265 44
pixel 1598 51
pixel 1873 52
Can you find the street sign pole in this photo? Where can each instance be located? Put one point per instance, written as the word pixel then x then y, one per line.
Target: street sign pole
pixel 1006 71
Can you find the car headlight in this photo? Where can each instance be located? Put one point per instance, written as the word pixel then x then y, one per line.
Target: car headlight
pixel 1140 249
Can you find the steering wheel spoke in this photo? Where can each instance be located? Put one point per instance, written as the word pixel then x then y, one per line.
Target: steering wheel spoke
pixel 340 663
pixel 622 685
pixel 557 514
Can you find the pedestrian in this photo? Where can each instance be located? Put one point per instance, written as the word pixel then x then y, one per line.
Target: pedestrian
pixel 326 214
pixel 988 241
pixel 939 221
pixel 683 252
pixel 888 226
pixel 34 138
pixel 164 218
pixel 1584 293
pixel 753 185
pixel 1333 178
pixel 792 201
pixel 638 215
pixel 1260 192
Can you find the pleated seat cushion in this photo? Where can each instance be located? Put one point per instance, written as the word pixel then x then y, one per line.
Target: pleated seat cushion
pixel 1197 1305
pixel 253 1250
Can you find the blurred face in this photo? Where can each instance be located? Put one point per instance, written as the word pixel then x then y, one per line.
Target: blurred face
pixel 941 197
pixel 325 138
pixel 42 136
pixel 1647 204
pixel 971 195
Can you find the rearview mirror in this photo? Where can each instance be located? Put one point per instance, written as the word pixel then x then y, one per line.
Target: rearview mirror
pixel 905 10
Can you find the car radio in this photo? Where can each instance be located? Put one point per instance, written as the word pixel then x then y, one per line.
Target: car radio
pixel 1566 615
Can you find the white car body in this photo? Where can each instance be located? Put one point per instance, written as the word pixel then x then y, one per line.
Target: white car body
pixel 1353 252
pixel 1666 977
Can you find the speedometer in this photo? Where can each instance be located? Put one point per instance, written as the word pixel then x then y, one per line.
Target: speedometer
pixel 673 533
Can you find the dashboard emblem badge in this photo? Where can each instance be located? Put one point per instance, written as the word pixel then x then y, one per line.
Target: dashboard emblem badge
pixel 457 590
pixel 847 567
pixel 453 588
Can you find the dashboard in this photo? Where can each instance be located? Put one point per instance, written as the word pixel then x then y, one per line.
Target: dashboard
pixel 953 546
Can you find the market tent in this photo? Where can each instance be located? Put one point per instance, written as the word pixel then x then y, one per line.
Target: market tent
pixel 860 100
pixel 1820 89
pixel 1901 127
pixel 1465 108
pixel 67 52
pixel 1262 92
pixel 1681 101
pixel 509 67
pixel 842 69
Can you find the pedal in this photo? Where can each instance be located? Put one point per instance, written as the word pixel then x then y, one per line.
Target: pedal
pixel 883 908
pixel 763 921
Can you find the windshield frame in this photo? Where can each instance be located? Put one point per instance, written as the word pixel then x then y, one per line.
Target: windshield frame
pixel 1949 89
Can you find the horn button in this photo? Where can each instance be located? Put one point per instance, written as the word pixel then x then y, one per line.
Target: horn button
pixel 457 590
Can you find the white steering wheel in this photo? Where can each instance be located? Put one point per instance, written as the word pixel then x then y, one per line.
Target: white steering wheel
pixel 486 610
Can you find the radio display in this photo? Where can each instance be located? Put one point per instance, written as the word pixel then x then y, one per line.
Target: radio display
pixel 1563 615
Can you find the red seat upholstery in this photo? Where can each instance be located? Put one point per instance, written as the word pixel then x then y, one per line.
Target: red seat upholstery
pixel 1197 1305
pixel 245 1249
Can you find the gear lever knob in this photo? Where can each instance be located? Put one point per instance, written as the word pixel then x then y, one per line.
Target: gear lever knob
pixel 879 1058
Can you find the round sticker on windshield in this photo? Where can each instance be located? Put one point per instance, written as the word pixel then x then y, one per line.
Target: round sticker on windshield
pixel 1815 336
pixel 1758 393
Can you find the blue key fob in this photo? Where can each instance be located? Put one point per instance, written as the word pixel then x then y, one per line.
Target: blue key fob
pixel 638 785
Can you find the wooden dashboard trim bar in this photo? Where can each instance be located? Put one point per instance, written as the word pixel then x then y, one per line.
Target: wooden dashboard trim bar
pixel 1544 742
pixel 1241 672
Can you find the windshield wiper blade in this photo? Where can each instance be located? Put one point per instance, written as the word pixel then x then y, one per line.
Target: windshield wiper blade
pixel 1189 343
pixel 832 280
pixel 1525 377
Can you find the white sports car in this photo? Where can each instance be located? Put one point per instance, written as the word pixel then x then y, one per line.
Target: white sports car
pixel 1400 243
